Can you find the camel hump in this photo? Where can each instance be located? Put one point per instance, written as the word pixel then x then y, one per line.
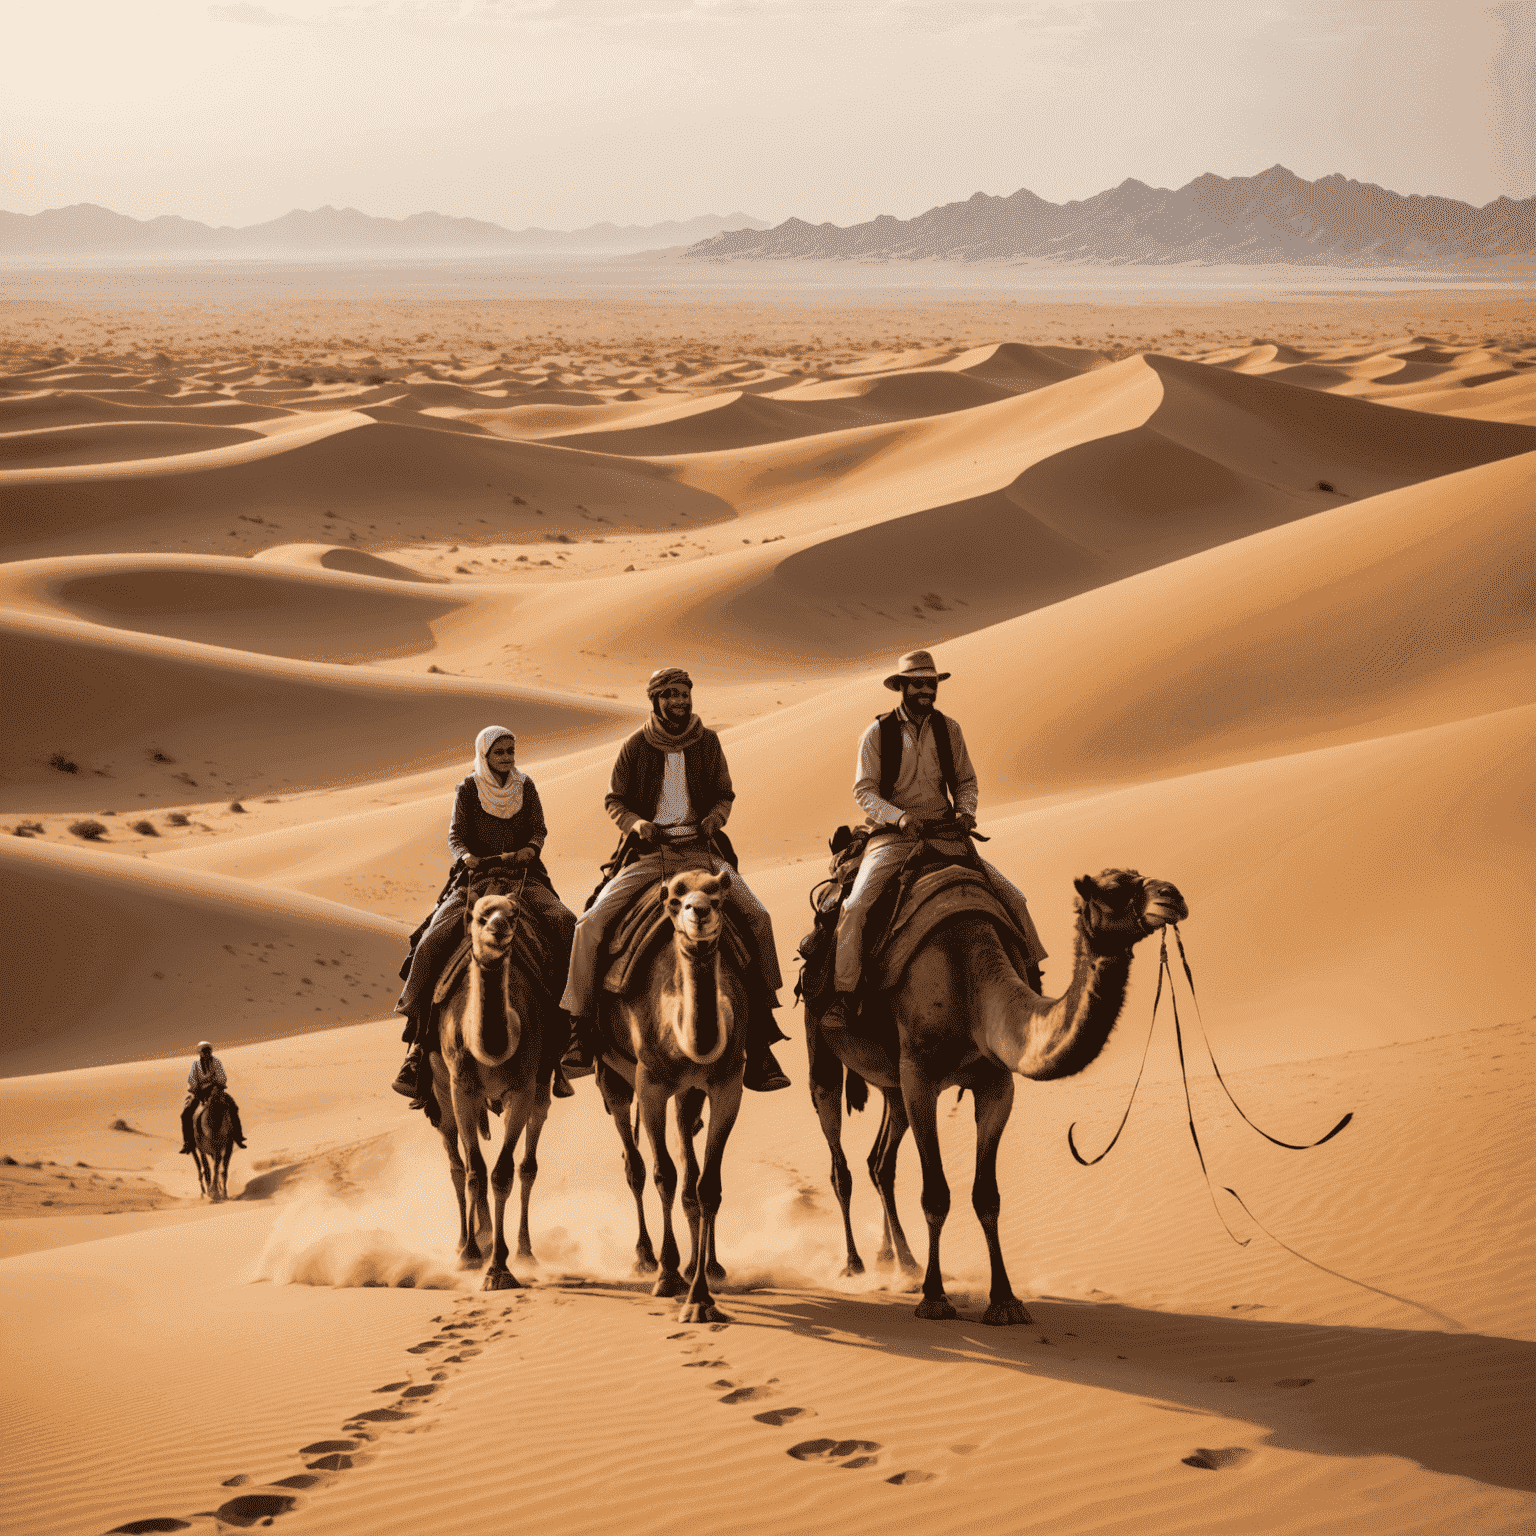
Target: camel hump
pixel 939 894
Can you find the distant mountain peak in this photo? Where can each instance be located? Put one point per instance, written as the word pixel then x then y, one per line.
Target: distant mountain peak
pixel 1275 216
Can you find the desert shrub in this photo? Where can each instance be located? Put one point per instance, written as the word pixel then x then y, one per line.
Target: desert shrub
pixel 177 819
pixel 91 831
pixel 235 805
pixel 375 379
pixel 63 764
pixel 27 829
pixel 145 828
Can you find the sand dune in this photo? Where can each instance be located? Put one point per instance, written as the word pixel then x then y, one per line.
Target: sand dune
pixel 112 700
pixel 1254 618
pixel 173 956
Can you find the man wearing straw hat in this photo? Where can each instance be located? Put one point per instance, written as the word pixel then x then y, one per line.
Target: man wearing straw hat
pixel 913 770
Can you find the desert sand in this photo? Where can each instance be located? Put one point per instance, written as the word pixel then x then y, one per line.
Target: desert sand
pixel 1236 592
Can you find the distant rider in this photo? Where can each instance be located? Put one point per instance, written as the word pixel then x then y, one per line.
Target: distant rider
pixel 206 1074
pixel 913 770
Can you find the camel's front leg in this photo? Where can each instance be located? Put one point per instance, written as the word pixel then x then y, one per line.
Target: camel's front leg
pixel 528 1169
pixel 517 1108
pixel 653 1115
pixel 994 1103
pixel 882 1169
pixel 467 1106
pixel 724 1105
pixel 922 1099
pixel 448 1129
pixel 689 1107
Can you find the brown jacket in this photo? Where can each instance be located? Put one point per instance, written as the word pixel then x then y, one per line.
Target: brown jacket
pixel 635 788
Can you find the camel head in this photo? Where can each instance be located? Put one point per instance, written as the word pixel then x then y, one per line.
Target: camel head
pixel 695 901
pixel 490 929
pixel 1118 907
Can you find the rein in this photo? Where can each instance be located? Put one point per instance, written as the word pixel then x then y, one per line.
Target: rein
pixel 1165 969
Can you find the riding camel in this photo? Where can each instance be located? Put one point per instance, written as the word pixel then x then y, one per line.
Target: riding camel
pixel 213 1143
pixel 496 1018
pixel 964 1016
pixel 680 1034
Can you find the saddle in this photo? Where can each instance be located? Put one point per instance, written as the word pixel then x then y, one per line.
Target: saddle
pixel 943 879
pixel 645 926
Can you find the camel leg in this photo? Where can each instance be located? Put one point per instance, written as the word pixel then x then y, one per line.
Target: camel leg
pixel 882 1169
pixel 994 1103
pixel 448 1129
pixel 466 1105
pixel 827 1099
pixel 528 1169
pixel 922 1102
pixel 516 1111
pixel 689 1107
pixel 724 1105
pixel 634 1176
pixel 653 1115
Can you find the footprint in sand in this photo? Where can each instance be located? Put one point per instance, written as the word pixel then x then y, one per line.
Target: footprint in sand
pixel 1296 1381
pixel 909 1479
pixel 380 1416
pixel 239 1480
pixel 1218 1460
pixel 392 1386
pixel 849 1454
pixel 255 1508
pixel 745 1394
pixel 154 1523
pixel 706 1365
pixel 779 1417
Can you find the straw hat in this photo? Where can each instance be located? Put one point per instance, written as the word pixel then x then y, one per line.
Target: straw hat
pixel 914 667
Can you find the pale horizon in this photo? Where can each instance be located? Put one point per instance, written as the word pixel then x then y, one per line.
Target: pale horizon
pixel 558 115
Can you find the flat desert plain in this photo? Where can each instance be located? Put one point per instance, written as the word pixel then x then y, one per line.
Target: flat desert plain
pixel 1237 594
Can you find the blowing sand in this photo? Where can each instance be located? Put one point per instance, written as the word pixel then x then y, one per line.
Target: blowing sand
pixel 1236 594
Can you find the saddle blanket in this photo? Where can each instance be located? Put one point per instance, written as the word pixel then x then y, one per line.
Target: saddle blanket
pixel 934 896
pixel 642 929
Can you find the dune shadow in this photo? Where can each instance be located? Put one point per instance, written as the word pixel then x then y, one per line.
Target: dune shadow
pixel 1332 1391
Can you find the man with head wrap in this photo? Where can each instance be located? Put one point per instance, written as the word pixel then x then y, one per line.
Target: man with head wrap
pixel 671 789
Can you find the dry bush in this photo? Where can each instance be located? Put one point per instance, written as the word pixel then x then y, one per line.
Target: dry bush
pixel 145 828
pixel 91 831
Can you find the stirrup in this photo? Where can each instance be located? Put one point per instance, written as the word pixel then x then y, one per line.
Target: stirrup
pixel 408 1079
pixel 763 1074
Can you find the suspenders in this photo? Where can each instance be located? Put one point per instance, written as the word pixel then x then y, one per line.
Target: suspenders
pixel 890 752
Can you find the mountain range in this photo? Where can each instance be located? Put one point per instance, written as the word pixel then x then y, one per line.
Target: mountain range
pixel 1275 216
pixel 84 229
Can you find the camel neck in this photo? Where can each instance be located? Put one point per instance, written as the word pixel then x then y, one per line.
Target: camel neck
pixel 1047 1039
pixel 698 977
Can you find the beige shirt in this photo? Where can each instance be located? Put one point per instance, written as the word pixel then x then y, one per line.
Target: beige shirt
pixel 919 785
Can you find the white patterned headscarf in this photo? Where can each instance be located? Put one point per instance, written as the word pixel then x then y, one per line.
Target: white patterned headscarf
pixel 503 800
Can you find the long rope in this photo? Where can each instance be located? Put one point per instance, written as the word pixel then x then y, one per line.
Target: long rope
pixel 1162 965
pixel 1291 1146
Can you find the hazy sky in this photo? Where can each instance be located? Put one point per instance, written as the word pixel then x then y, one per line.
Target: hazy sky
pixel 563 112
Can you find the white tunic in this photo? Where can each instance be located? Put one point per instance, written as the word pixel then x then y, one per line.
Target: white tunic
pixel 673 812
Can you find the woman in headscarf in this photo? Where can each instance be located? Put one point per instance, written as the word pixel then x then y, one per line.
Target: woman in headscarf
pixel 498 823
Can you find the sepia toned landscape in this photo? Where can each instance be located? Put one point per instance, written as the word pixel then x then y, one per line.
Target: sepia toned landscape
pixel 1235 591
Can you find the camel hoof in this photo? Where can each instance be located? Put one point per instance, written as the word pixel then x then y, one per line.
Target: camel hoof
pixel 707 1313
pixel 850 1269
pixel 500 1280
pixel 669 1284
pixel 1001 1313
pixel 936 1309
